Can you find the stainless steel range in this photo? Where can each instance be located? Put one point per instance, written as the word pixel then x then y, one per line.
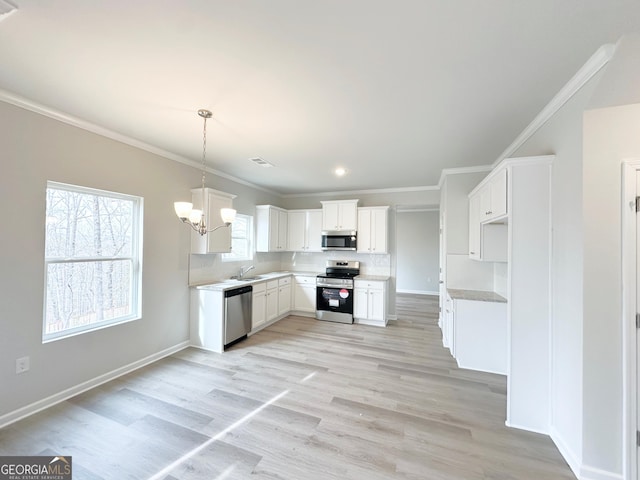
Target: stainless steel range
pixel 334 291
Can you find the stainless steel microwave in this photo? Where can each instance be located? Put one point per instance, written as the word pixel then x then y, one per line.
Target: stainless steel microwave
pixel 339 240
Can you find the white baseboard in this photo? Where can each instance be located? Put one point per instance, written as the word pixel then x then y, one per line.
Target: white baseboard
pixel 568 454
pixel 527 429
pixel 417 292
pixel 40 405
pixel 591 473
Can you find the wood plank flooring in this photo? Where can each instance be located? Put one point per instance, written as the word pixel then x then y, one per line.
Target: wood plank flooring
pixel 302 399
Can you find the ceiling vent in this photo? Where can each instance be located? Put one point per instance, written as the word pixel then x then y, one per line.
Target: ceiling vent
pixel 259 161
pixel 6 9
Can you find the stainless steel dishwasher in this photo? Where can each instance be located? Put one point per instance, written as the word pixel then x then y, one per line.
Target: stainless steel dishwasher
pixel 237 314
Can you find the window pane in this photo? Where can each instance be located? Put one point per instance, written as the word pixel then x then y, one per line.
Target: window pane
pixel 85 225
pixel 241 239
pixel 92 259
pixel 85 293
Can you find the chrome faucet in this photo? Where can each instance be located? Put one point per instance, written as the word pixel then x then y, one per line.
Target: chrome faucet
pixel 244 271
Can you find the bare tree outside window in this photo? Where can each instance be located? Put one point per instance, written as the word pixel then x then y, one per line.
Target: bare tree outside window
pixel 241 239
pixel 92 247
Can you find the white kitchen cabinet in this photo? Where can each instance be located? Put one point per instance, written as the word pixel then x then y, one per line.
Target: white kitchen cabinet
pixel 304 230
pixel 272 300
pixel 493 197
pixel 284 295
pixel 448 326
pixel 304 294
pixel 259 306
pixel 480 335
pixel 373 229
pixel 370 302
pixel 340 215
pixel 207 319
pixel 220 240
pixel 487 213
pixel 271 229
pixel 474 227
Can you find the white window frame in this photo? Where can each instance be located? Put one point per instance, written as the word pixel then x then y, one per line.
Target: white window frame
pixel 135 260
pixel 231 257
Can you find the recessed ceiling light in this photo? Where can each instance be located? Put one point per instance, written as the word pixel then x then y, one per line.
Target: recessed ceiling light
pixel 261 162
pixel 340 171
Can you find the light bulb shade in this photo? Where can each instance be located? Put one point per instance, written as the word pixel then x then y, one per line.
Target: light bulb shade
pixel 195 216
pixel 183 209
pixel 228 215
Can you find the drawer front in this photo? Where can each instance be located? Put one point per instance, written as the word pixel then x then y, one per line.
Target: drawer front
pixel 301 280
pixel 368 284
pixel 259 287
pixel 284 281
pixel 272 284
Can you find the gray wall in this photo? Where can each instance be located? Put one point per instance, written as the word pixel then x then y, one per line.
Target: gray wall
pixel 417 236
pixel 587 395
pixel 36 149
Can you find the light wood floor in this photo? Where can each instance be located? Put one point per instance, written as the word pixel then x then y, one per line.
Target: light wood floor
pixel 302 399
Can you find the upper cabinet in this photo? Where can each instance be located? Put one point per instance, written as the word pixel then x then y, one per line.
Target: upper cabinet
pixel 304 230
pixel 372 229
pixel 487 214
pixel 474 227
pixel 340 215
pixel 271 229
pixel 493 197
pixel 220 240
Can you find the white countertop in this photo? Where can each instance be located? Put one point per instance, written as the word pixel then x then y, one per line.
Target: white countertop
pixel 373 278
pixel 227 284
pixel 475 295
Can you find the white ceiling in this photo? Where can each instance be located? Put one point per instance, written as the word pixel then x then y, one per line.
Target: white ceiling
pixel 393 90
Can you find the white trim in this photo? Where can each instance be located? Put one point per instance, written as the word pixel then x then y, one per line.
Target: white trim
pixel 598 60
pixel 526 429
pixel 407 209
pixel 417 292
pixel 52 400
pixel 630 168
pixel 362 192
pixel 569 455
pixel 459 170
pixel 30 105
pixel 592 473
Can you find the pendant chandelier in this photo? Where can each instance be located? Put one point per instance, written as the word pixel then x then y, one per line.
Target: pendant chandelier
pixel 195 218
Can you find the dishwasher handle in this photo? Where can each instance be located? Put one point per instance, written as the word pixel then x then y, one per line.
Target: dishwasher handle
pixel 237 291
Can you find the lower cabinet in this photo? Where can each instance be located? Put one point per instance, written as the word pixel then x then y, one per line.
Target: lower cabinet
pixel 272 300
pixel 259 307
pixel 370 302
pixel 304 294
pixel 480 335
pixel 284 295
pixel 449 319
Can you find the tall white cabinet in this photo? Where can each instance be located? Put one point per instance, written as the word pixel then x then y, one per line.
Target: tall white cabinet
pixel 529 308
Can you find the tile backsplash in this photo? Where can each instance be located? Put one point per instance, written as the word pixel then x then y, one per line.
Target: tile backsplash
pixel 210 268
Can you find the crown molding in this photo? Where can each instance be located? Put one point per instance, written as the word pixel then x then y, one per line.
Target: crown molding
pixel 35 107
pixel 598 60
pixel 457 171
pixel 363 192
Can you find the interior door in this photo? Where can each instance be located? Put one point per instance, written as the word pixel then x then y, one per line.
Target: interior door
pixel 637 330
pixel 443 268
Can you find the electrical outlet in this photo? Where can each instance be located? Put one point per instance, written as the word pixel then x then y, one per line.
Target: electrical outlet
pixel 22 365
